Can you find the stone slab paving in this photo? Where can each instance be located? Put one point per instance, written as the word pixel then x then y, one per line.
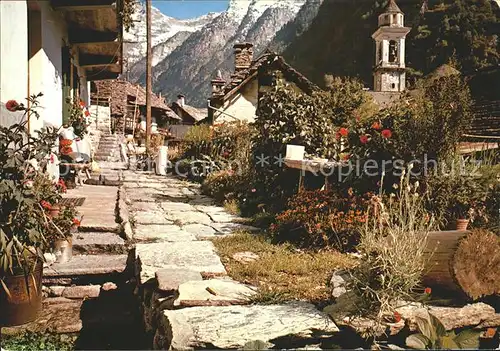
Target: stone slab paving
pixel 169 279
pixel 213 292
pixel 99 207
pixel 162 233
pixel 232 327
pixel 198 256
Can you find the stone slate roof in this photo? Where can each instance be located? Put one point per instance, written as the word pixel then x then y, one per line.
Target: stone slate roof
pixel 122 93
pixel 197 114
pixel 392 7
pixel 486 122
pixel 270 59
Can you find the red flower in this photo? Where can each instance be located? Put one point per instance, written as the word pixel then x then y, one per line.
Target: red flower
pixel 318 225
pixel 346 157
pixel 428 291
pixel 65 142
pixel 343 132
pixel 66 150
pixel 76 222
pixel 397 317
pixel 46 205
pixel 377 125
pixel 386 133
pixel 12 105
pixel 490 332
pixel 363 139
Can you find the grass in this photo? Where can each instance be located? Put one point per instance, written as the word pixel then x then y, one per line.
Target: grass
pixel 282 272
pixel 232 207
pixel 34 341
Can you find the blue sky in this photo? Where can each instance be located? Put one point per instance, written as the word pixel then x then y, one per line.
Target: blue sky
pixel 189 8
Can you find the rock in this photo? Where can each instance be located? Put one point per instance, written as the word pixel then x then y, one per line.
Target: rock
pixel 245 256
pixel 229 228
pixel 232 327
pixel 213 292
pixel 109 286
pixel 169 279
pixel 338 282
pixel 82 291
pixel 477 315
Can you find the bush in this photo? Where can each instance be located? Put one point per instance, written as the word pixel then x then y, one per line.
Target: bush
pixel 393 247
pixel 322 218
pixel 286 116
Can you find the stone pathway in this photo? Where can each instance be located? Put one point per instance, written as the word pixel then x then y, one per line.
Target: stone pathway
pixel 187 299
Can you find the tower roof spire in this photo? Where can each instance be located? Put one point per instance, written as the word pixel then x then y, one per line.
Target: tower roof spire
pixel 392 7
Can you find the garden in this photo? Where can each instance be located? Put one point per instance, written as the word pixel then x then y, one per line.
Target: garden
pixel 402 216
pixel 36 227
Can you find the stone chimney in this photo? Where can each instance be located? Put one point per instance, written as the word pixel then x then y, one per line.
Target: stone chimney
pixel 217 84
pixel 243 56
pixel 181 99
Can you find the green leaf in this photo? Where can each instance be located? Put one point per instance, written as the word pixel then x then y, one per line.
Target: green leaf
pixel 418 341
pixel 426 328
pixel 439 328
pixel 447 342
pixel 468 339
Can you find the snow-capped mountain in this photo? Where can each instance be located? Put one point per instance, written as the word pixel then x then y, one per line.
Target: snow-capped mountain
pixel 190 66
pixel 163 28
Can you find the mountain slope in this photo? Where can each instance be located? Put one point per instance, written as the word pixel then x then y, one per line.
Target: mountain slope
pixel 293 29
pixel 191 66
pixel 163 28
pixel 159 51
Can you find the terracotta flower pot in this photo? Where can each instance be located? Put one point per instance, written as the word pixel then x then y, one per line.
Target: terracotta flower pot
pixel 461 224
pixel 23 302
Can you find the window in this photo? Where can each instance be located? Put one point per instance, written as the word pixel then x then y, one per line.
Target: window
pixel 393 51
pixel 393 86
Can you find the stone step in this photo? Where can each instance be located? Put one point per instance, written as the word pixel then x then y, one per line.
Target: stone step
pixel 103 158
pixel 86 268
pixel 104 153
pixel 98 243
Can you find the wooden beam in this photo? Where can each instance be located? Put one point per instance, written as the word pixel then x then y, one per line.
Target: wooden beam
pixel 101 75
pixel 80 36
pixel 85 8
pixel 87 44
pixel 95 60
pixel 82 5
pixel 100 65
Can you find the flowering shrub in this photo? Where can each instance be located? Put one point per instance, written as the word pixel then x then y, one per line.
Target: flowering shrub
pixel 322 218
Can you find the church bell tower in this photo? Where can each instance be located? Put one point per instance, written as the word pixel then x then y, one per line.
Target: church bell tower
pixel 389 73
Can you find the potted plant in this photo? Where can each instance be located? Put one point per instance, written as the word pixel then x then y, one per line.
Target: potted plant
pixel 23 221
pixel 59 235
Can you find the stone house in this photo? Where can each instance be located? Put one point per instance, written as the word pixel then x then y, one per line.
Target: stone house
pixel 123 104
pixel 237 99
pixel 57 47
pixel 190 115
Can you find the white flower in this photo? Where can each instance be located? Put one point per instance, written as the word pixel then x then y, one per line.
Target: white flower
pixel 416 184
